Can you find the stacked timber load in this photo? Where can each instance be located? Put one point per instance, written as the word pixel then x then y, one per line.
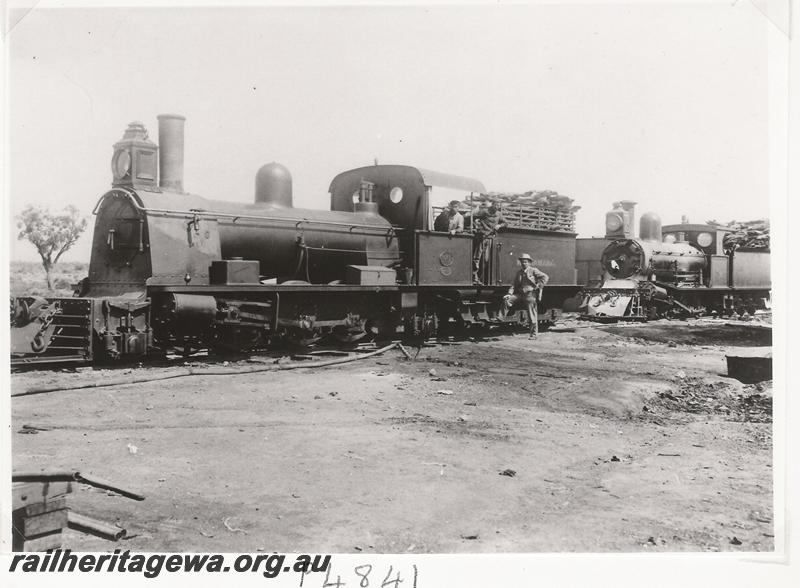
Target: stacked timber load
pixel 746 235
pixel 544 210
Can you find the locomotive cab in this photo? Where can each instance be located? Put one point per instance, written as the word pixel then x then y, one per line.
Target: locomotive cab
pixel 709 240
pixel 409 197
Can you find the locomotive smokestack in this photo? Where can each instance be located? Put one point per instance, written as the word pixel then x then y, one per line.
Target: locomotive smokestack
pixel 628 206
pixel 170 153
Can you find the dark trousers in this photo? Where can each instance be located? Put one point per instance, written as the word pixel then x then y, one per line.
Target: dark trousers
pixel 481 248
pixel 531 301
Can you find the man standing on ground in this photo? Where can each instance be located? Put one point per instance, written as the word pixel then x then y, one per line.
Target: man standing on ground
pixel 486 221
pixel 527 286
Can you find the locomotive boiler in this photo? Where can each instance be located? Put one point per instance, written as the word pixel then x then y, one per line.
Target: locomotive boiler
pixel 174 270
pixel 676 270
pixel 161 234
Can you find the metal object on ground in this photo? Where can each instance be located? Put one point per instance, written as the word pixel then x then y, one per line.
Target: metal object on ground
pixel 60 476
pixel 40 510
pixel 91 526
pixel 750 365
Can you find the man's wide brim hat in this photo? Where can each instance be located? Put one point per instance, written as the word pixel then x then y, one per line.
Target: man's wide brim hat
pixel 525 256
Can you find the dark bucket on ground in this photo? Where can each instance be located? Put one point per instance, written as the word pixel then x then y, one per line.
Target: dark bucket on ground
pixel 750 365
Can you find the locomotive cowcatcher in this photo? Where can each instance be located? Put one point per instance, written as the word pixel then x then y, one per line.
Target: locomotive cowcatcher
pixel 171 270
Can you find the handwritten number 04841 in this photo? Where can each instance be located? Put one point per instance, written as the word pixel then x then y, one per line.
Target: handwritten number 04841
pixel 363 572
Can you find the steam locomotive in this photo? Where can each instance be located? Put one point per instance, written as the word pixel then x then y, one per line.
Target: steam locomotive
pixel 674 270
pixel 171 270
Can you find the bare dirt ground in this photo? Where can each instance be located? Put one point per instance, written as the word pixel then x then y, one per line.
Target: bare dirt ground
pixel 27 278
pixel 605 439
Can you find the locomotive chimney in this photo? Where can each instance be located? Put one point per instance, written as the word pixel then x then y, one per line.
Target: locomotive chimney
pixel 274 185
pixel 628 206
pixel 170 154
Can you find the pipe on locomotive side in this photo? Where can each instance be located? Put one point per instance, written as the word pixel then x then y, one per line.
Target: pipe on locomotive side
pixel 170 152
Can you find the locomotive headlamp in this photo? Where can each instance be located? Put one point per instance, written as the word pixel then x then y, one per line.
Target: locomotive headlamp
pixel 121 164
pixel 135 160
pixel 613 223
pixel 705 239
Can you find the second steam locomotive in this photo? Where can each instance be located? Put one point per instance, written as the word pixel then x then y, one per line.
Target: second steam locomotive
pixel 674 270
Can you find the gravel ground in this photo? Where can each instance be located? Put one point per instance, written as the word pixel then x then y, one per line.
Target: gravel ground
pixel 625 438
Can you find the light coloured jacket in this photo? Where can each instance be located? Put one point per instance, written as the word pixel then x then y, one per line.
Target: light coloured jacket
pixel 529 279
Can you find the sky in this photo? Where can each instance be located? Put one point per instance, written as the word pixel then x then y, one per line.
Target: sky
pixel 662 103
pixel 665 104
